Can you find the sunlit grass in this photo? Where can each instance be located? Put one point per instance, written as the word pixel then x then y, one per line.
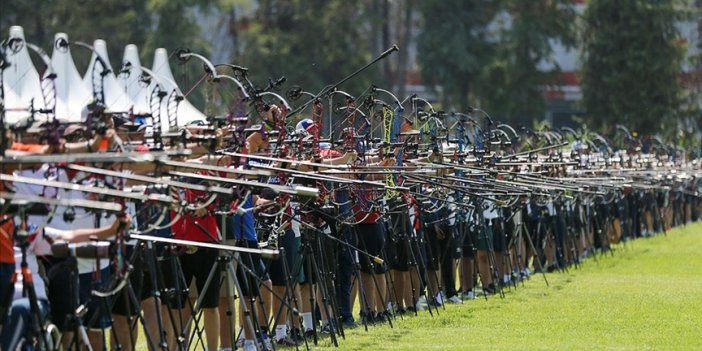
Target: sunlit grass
pixel 646 295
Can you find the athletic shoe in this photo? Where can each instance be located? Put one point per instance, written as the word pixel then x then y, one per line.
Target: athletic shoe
pixel 422 301
pixel 240 343
pixel 286 341
pixel 327 329
pixel 251 347
pixel 296 335
pixel 265 343
pixel 440 297
pixel 454 299
pixel 489 290
pixel 367 318
pixel 349 323
pixel 468 295
pixel 434 303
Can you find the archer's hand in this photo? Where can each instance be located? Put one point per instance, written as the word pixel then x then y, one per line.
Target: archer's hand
pixel 272 112
pixel 122 222
pixel 350 155
pixel 219 135
pixel 389 162
pixel 201 212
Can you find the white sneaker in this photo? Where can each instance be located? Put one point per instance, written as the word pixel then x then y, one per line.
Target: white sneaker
pixel 266 344
pixel 422 301
pixel 454 299
pixel 470 295
pixel 240 343
pixel 440 297
pixel 249 346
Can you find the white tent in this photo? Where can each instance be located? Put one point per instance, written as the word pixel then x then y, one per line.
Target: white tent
pixel 71 94
pixel 186 111
pixel 116 98
pixel 135 90
pixel 20 81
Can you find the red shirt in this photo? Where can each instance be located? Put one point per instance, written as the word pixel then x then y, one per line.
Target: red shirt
pixel 329 153
pixel 361 215
pixel 187 229
pixel 7 254
pixel 27 148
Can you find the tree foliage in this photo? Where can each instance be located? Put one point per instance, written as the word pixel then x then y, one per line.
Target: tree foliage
pixel 513 82
pixel 455 44
pixel 496 54
pixel 632 59
pixel 311 43
pixel 82 21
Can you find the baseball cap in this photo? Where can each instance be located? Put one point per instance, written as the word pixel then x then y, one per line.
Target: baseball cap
pixel 305 124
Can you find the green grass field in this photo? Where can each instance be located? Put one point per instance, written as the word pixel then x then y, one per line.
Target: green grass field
pixel 646 296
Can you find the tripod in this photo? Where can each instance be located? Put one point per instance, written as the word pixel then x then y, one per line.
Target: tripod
pixel 38 333
pixel 312 261
pixel 521 233
pixel 235 253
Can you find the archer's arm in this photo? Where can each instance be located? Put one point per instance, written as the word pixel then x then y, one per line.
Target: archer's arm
pixel 83 235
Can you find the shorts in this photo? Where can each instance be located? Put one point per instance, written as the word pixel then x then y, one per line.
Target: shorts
pixel 437 248
pixel 499 239
pixel 317 256
pixel 139 281
pixel 371 239
pixel 485 238
pixel 280 266
pixel 469 238
pixel 197 265
pixel 252 265
pixel 61 294
pixel 6 286
pixel 398 245
pixel 99 312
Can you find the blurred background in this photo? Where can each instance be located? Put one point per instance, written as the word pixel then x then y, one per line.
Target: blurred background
pixel 527 62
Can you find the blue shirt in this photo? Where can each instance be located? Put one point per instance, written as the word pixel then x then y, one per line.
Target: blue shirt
pixel 244 226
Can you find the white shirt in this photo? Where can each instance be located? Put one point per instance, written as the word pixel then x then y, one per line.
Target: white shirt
pixel 39 285
pixel 551 208
pixel 452 211
pixel 83 219
pixel 489 210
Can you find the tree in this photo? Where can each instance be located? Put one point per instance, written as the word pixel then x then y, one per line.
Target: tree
pixel 513 83
pixel 119 22
pixel 454 45
pixel 311 43
pixel 631 63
